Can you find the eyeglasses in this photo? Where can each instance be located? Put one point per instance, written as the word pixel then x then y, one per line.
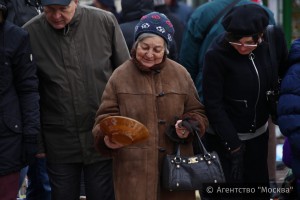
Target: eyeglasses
pixel 244 45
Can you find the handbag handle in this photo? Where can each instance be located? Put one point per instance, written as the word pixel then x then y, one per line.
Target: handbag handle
pixel 206 154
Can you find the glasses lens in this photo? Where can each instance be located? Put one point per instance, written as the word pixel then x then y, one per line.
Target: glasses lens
pixel 250 45
pixel 240 44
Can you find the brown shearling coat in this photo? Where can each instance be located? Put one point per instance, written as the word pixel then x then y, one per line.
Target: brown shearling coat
pixel 154 99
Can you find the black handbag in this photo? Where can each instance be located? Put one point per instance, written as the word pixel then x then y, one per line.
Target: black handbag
pixel 273 93
pixel 190 172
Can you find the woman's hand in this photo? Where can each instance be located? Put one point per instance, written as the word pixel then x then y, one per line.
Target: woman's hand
pixel 111 144
pixel 181 131
pixel 98 135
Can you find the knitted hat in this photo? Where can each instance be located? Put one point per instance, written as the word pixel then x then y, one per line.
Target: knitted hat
pixel 156 23
pixel 246 20
pixel 55 2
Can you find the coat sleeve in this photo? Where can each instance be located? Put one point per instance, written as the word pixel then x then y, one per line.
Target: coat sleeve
pixel 108 107
pixel 213 81
pixel 194 109
pixel 26 83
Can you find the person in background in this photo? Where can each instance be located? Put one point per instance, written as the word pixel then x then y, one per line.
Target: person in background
pixel 161 6
pixel 83 46
pixel 235 82
pixel 19 105
pixel 158 91
pixel 108 5
pixel 289 109
pixel 180 9
pixel 132 11
pixel 21 11
pixel 38 180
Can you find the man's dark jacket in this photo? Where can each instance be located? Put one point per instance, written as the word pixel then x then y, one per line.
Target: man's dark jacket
pixel 19 98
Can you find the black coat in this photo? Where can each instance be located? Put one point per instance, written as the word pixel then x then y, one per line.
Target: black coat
pixel 132 11
pixel 235 89
pixel 19 98
pixel 21 11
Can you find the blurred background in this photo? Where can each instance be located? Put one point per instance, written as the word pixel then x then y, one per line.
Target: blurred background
pixel 286 12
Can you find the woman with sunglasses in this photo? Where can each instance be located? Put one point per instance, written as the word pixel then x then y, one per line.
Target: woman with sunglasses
pixel 235 82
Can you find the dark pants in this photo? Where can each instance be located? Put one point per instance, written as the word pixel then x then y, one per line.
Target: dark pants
pixel 9 186
pixel 38 181
pixel 255 158
pixel 65 180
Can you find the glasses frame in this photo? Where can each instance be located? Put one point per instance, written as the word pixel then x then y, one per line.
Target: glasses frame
pixel 244 45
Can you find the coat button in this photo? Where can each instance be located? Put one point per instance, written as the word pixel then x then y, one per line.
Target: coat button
pixel 161 94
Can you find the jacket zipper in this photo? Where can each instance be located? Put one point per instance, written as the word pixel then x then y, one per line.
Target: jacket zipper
pixel 251 57
pixel 242 101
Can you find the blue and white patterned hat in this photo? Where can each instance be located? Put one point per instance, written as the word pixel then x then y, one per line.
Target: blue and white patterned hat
pixel 156 23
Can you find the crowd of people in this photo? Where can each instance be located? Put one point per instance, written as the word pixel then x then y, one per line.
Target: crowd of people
pixel 67 66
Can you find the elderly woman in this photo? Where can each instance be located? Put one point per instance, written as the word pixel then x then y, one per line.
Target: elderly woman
pixel 153 90
pixel 236 78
